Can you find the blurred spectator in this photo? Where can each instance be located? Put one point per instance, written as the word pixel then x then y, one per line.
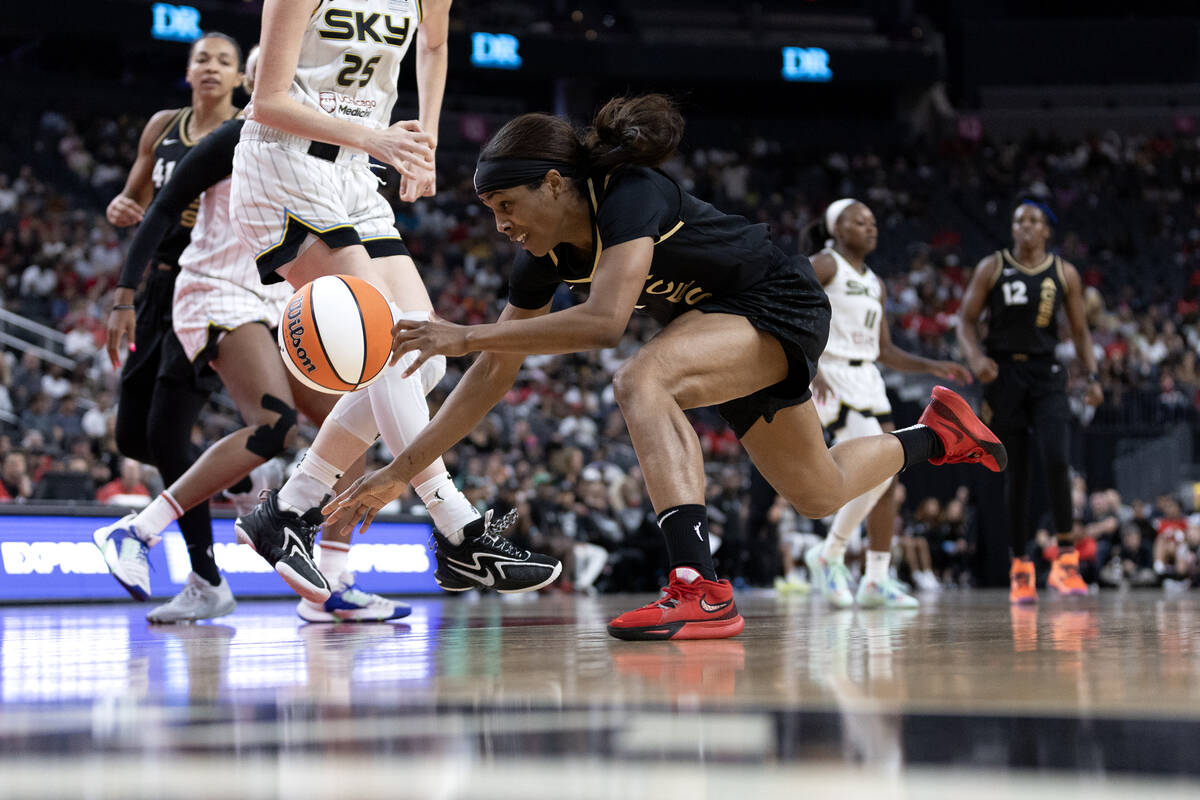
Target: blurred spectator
pixel 15 484
pixel 127 489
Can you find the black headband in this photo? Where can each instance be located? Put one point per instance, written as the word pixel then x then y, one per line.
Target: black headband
pixel 505 173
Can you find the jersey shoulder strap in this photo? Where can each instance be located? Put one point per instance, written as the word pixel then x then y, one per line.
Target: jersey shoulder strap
pixel 997 268
pixel 170 126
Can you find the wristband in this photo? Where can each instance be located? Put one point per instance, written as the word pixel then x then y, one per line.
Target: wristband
pixel 124 307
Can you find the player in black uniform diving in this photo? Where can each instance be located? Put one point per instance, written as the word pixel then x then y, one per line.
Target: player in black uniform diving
pixel 744 325
pixel 1025 396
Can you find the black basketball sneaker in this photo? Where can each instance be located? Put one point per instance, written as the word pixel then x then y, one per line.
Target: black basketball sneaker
pixel 486 560
pixel 285 540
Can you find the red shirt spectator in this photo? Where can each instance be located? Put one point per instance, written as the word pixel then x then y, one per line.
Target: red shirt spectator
pixel 129 483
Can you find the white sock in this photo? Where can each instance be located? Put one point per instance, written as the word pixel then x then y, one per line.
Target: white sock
pixel 877 566
pixel 401 412
pixel 151 520
pixel 450 509
pixel 334 558
pixel 849 517
pixel 309 485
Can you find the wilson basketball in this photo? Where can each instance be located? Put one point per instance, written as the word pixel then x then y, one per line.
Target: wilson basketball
pixel 336 333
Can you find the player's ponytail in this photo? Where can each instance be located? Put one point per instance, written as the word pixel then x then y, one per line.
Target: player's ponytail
pixel 643 130
pixel 628 130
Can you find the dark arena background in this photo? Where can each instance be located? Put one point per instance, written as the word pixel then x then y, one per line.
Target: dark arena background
pixel 942 117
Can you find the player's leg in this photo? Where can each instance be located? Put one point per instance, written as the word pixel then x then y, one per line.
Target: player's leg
pixel 1004 402
pixel 1051 430
pixel 878 588
pixel 173 410
pixel 826 563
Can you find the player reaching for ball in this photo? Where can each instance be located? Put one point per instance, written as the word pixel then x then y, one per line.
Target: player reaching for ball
pixel 744 325
pixel 305 202
pixel 223 317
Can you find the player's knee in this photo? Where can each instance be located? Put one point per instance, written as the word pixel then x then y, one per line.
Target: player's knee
pixel 269 440
pixel 431 373
pixel 132 442
pixel 633 379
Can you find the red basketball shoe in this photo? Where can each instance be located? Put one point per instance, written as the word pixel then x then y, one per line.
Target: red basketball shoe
pixel 689 608
pixel 964 438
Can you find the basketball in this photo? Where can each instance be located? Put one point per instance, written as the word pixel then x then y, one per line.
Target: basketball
pixel 336 333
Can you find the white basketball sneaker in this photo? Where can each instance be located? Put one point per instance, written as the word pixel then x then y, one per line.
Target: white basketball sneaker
pixel 830 578
pixel 126 554
pixel 348 603
pixel 888 593
pixel 198 600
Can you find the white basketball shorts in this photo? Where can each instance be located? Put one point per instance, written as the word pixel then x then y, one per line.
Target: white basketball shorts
pixel 855 389
pixel 206 308
pixel 282 196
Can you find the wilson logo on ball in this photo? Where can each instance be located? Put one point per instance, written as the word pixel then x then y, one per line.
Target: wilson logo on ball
pixel 335 334
pixel 295 330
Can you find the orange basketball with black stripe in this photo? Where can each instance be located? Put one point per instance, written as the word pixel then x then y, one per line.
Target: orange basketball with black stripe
pixel 336 333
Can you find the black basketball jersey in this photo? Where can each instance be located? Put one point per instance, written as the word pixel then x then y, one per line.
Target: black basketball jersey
pixel 172 145
pixel 699 252
pixel 1023 305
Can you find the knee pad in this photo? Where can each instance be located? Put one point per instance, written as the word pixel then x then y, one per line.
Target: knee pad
pixel 434 369
pixel 268 441
pixel 431 373
pixel 353 413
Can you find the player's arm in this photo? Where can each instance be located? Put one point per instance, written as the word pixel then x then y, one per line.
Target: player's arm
pixel 433 56
pixel 1077 320
pixel 897 358
pixel 404 145
pixel 825 266
pixel 128 207
pixel 968 319
pixel 482 386
pixel 204 165
pixel 597 323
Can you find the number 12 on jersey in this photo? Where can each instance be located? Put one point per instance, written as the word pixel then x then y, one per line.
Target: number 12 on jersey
pixel 1015 293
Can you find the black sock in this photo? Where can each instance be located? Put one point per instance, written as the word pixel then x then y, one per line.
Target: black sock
pixel 686 530
pixel 203 564
pixel 241 487
pixel 920 444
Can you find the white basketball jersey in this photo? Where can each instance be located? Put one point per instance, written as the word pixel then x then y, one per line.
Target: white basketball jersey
pixel 350 58
pixel 857 302
pixel 213 251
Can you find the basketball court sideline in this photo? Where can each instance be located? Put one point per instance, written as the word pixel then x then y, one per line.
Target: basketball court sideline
pixel 467 692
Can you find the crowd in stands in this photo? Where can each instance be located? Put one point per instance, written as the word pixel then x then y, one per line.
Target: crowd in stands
pixel 556 447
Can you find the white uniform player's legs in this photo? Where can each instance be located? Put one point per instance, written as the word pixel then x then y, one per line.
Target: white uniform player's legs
pixel 851 515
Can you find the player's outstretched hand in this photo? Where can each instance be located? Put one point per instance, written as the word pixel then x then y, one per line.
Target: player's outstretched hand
pixel 427 338
pixel 985 369
pixel 121 325
pixel 422 184
pixel 406 146
pixel 123 211
pixel 364 499
pixel 951 371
